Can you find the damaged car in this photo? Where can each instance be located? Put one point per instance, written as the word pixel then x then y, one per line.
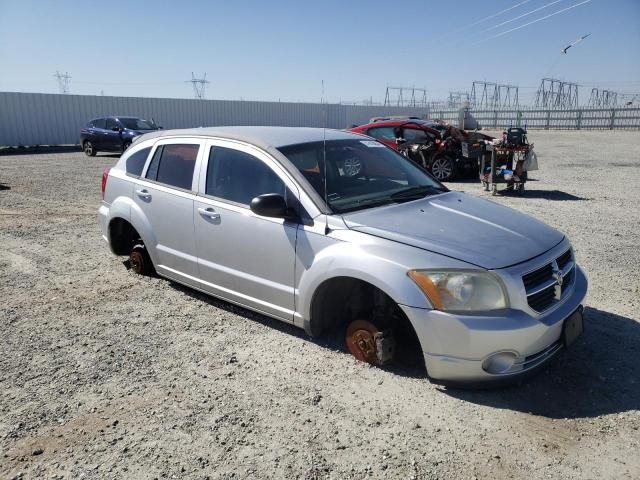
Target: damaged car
pixel 441 149
pixel 332 231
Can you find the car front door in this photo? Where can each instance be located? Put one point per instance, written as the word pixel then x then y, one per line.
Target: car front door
pixel 112 136
pixel 385 135
pixel 97 133
pixel 243 257
pixel 164 197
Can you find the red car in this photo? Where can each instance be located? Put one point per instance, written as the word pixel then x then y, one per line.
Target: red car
pixel 439 160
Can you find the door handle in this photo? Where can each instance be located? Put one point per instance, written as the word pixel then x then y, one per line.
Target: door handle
pixel 143 193
pixel 208 212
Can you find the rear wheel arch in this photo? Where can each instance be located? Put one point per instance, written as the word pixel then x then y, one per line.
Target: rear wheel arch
pixel 122 236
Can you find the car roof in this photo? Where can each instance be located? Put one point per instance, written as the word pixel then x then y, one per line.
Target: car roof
pixel 395 123
pixel 421 124
pixel 263 137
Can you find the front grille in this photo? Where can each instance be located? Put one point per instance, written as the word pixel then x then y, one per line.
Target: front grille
pixel 542 300
pixel 541 284
pixel 564 259
pixel 537 277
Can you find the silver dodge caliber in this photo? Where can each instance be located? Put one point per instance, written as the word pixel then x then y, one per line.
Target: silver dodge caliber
pixel 326 229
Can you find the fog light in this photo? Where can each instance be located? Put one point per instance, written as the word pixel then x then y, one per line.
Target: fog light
pixel 499 362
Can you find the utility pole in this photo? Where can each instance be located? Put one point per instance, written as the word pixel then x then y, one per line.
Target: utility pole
pixel 63 81
pixel 198 84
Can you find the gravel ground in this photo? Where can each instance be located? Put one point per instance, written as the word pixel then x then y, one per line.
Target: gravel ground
pixel 104 374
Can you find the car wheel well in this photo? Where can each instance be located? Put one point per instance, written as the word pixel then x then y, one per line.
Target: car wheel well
pixel 340 300
pixel 123 237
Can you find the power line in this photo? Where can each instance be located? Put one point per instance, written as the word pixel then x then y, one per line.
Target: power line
pixel 482 20
pixel 533 21
pixel 520 16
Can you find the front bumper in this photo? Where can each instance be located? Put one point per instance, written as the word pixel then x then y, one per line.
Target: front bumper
pixel 456 346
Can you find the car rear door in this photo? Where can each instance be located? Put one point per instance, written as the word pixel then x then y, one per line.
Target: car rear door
pixel 164 197
pixel 243 257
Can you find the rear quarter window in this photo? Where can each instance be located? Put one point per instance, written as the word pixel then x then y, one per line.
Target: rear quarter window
pixel 135 163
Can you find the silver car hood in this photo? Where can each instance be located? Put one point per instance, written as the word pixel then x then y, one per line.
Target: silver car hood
pixel 460 226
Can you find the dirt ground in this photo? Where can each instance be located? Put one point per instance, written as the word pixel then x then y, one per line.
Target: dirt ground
pixel 105 374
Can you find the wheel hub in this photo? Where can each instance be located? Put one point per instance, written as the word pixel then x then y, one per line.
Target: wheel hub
pixel 441 168
pixel 368 344
pixel 136 261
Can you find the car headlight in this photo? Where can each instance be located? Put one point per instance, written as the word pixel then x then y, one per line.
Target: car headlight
pixel 461 290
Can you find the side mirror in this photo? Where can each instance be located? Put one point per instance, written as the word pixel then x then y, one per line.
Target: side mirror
pixel 271 205
pixel 116 129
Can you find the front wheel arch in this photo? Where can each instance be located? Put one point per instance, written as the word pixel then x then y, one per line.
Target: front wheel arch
pixel 341 301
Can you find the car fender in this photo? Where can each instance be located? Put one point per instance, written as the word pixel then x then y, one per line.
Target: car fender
pixel 373 263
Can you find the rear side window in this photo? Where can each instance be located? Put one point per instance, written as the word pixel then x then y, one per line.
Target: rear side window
pixel 135 163
pixel 239 177
pixel 98 123
pixel 173 165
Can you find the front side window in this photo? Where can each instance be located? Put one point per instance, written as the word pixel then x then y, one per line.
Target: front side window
pixel 239 177
pixel 173 165
pixel 360 173
pixel 136 124
pixel 416 135
pixel 135 162
pixel 111 123
pixel 385 133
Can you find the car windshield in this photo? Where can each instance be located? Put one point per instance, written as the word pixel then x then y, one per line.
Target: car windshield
pixel 360 173
pixel 136 124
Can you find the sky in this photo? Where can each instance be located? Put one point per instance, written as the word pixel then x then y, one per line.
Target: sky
pixel 286 50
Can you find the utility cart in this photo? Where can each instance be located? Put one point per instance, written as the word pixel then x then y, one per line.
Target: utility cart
pixel 507 162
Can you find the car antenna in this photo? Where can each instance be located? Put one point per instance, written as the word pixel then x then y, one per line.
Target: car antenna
pixel 324 161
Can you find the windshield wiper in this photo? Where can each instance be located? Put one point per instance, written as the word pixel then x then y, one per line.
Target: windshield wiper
pixel 417 191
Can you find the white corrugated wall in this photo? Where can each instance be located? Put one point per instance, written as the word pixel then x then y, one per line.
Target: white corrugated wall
pixel 54 119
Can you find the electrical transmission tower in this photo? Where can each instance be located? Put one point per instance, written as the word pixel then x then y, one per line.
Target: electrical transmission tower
pixel 487 92
pixel 508 96
pixel 603 98
pixel 493 95
pixel 458 99
pixel 63 82
pixel 554 93
pixel 199 85
pixel 405 97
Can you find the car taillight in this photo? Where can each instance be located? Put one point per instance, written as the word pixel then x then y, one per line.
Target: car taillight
pixel 438 141
pixel 105 176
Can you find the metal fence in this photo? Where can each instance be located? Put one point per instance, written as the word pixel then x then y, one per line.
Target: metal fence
pixel 627 118
pixel 54 119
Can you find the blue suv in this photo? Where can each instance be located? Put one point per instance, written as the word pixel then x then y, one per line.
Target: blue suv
pixel 113 134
